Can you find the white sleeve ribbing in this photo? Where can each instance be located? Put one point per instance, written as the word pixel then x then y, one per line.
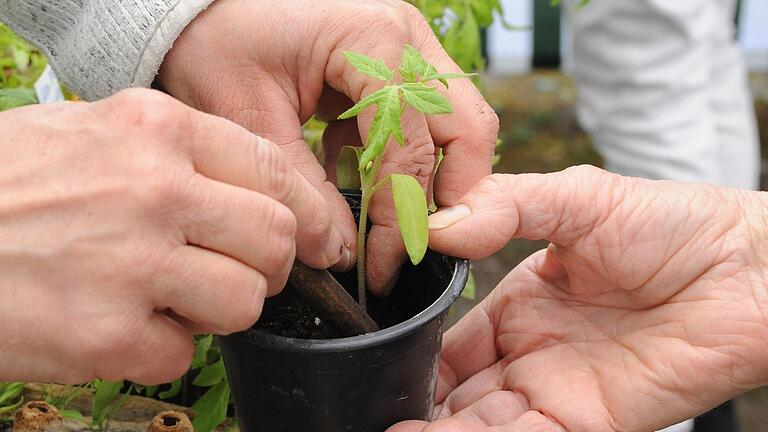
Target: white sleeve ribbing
pixel 99 47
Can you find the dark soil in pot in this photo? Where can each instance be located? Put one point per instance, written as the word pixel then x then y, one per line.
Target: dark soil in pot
pixel 288 373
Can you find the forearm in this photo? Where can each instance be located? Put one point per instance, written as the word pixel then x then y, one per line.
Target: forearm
pixel 99 47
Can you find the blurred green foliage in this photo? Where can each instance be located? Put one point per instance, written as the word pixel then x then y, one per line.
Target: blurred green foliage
pixel 20 66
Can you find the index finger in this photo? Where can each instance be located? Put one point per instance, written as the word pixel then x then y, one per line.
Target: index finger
pixel 468 135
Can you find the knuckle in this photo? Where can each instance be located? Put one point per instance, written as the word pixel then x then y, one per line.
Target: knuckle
pixel 388 21
pixel 276 178
pixel 141 109
pixel 281 241
pixel 417 157
pixel 155 181
pixel 585 172
pixel 488 119
pixel 248 311
pixel 157 192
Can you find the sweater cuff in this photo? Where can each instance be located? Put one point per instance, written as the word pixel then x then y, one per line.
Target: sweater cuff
pixel 161 41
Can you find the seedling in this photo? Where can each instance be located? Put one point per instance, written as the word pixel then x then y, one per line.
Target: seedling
pixel 391 103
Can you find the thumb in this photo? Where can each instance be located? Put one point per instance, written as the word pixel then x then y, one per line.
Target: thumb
pixel 560 207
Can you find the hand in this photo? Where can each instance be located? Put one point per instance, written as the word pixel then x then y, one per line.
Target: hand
pixel 129 224
pixel 269 65
pixel 649 308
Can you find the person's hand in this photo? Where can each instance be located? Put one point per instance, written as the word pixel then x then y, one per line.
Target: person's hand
pixel 269 65
pixel 649 307
pixel 129 224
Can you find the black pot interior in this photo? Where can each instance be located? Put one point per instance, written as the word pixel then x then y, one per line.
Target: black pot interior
pixel 417 288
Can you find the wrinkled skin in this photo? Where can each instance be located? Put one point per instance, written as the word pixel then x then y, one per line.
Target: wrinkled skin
pixel 129 224
pixel 270 65
pixel 650 309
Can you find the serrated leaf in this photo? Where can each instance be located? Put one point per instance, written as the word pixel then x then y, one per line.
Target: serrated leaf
pixel 211 409
pixel 172 391
pixel 426 99
pixel 211 375
pixel 371 99
pixel 347 172
pixel 413 65
pixel 72 415
pixel 375 68
pixel 385 123
pixel 412 216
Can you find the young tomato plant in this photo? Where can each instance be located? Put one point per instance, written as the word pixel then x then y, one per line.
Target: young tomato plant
pixel 391 102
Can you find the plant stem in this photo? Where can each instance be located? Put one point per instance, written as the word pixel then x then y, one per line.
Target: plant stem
pixel 369 188
pixel 361 295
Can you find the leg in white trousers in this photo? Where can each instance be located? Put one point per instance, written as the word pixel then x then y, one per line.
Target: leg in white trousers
pixel 663 90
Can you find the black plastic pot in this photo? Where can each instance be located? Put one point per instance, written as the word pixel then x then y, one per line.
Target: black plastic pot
pixel 364 383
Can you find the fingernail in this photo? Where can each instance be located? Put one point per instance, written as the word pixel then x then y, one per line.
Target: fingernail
pixel 449 216
pixel 346 257
pixel 335 249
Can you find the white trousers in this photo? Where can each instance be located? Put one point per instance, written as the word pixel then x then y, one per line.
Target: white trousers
pixel 663 90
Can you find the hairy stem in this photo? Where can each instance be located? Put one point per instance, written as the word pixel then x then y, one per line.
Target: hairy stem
pixel 369 188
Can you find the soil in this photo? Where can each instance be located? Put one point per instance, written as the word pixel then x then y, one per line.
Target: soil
pixel 289 315
pixel 417 287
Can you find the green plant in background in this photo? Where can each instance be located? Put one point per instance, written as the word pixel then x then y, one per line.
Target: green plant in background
pixel 20 66
pixel 390 102
pixel 458 25
pixel 10 399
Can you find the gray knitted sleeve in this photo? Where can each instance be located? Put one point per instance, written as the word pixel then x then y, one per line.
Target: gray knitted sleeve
pixel 98 47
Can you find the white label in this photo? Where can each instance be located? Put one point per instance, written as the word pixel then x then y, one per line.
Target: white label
pixel 48 88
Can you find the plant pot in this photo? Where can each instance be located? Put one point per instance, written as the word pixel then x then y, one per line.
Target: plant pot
pixel 364 383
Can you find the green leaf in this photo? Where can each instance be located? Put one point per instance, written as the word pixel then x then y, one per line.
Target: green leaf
pixel 371 99
pixel 375 68
pixel 426 99
pixel 105 394
pixel 10 391
pixel 202 346
pixel 385 123
pixel 12 407
pixel 72 415
pixel 211 375
pixel 412 216
pixel 211 409
pixel 171 392
pixel 18 97
pixel 413 66
pixel 347 173
pixel 470 290
pixel 11 396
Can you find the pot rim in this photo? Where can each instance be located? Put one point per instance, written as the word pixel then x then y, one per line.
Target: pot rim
pixel 449 296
